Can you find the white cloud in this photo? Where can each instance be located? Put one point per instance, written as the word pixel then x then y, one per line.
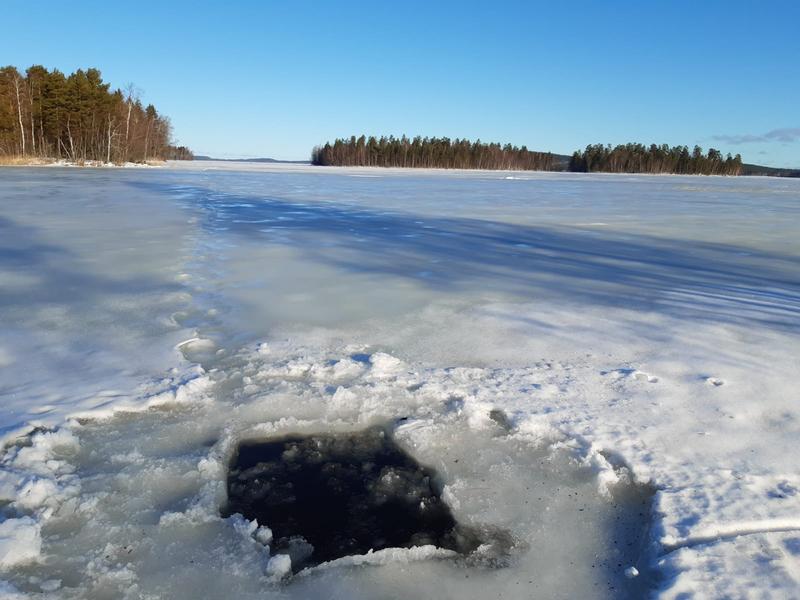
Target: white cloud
pixel 785 134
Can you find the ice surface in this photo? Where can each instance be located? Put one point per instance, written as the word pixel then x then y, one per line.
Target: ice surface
pixel 542 342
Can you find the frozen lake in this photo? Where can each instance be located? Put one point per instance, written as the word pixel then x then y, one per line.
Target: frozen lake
pixel 603 367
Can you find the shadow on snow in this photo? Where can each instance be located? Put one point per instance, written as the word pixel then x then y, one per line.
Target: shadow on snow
pixel 688 279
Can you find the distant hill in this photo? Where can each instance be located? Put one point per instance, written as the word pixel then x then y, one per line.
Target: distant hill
pixel 252 160
pixel 561 162
pixel 748 169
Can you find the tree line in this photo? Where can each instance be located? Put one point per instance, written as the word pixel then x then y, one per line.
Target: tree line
pixel 428 152
pixel 637 158
pixel 78 117
pixel 444 153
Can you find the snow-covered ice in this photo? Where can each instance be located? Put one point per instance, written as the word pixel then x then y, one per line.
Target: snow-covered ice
pixel 605 366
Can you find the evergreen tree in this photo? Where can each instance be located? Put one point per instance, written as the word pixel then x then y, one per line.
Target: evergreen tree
pixel 636 158
pixel 442 153
pixel 78 117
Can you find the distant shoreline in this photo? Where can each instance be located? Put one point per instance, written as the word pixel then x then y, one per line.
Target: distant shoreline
pixel 459 153
pixel 370 172
pixel 252 164
pixel 253 160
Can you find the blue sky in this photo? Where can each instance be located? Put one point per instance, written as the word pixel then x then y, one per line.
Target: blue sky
pixel 275 78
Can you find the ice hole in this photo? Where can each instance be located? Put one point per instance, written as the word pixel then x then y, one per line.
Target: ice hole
pixel 141 502
pixel 330 495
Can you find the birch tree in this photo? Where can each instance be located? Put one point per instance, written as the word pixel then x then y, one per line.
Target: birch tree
pixel 46 113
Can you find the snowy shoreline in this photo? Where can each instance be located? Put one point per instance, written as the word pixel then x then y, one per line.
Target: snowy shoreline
pixel 87 164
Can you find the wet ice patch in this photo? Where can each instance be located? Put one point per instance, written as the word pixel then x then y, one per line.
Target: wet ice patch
pixel 6 358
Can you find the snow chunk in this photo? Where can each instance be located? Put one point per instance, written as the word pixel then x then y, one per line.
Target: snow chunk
pixel 192 390
pixel 390 555
pixel 344 399
pixel 20 542
pixel 196 349
pixel 242 526
pixel 36 493
pixel 263 535
pixel 45 449
pixel 342 369
pixel 279 566
pixel 8 485
pixel 385 365
pixel 210 469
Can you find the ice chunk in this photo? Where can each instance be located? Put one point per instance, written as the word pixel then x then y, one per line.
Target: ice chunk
pixel 279 566
pixel 385 365
pixel 20 542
